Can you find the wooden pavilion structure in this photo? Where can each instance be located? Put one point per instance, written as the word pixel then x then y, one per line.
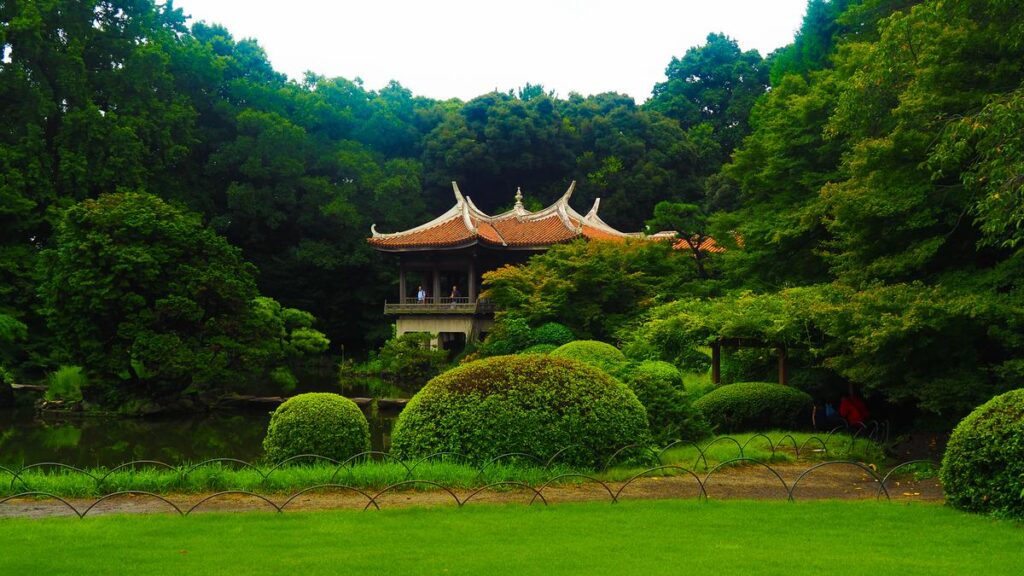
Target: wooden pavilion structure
pixel 441 263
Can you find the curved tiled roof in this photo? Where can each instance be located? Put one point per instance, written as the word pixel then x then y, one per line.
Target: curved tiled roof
pixel 464 224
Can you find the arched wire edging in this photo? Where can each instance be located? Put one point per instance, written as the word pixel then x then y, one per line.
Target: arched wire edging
pixel 132 464
pixel 832 433
pixel 442 454
pixel 641 448
pixel 14 476
pixel 220 460
pixel 485 465
pixel 702 492
pixel 47 464
pixel 808 441
pixel 353 458
pixel 292 459
pixel 413 482
pixel 47 495
pixel 560 476
pixel 838 463
pixel 743 449
pixel 558 454
pixel 796 449
pixel 716 441
pixel 370 499
pixel 536 493
pixel 789 495
pixel 687 442
pixel 881 485
pixel 229 492
pixel 133 493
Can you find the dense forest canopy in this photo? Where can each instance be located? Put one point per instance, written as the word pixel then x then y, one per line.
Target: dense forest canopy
pixel 873 166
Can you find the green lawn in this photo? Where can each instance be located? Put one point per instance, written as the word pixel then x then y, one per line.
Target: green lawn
pixel 639 537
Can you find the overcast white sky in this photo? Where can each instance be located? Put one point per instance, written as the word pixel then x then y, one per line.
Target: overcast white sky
pixel 465 48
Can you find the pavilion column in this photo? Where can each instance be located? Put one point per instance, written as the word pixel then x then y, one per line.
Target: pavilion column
pixel 716 363
pixel 782 365
pixel 437 285
pixel 401 284
pixel 470 282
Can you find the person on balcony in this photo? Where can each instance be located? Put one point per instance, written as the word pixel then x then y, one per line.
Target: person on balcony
pixel 421 295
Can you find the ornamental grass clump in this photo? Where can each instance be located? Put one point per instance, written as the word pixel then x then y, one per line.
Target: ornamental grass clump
pixel 749 406
pixel 317 423
pixel 983 468
pixel 531 403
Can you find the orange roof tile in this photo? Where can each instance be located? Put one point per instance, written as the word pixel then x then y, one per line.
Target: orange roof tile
pixel 464 224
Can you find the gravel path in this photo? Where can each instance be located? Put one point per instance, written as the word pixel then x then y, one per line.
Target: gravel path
pixel 832 481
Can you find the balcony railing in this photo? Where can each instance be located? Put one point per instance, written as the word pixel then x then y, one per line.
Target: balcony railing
pixel 439 305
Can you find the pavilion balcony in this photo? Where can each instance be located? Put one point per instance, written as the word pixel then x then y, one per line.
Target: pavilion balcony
pixel 439 305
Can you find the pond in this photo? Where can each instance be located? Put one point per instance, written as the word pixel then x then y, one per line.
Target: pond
pixel 28 437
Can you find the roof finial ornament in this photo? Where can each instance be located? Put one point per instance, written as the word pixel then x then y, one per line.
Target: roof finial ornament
pixel 519 208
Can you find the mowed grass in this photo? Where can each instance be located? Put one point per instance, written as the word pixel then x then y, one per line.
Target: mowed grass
pixel 639 537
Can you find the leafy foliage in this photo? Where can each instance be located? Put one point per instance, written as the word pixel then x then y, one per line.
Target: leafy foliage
pixel 593 288
pixel 66 384
pixel 155 305
pixel 528 403
pixel 983 467
pixel 410 360
pixel 755 406
pixel 316 423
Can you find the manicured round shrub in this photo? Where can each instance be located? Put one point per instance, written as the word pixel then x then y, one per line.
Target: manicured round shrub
pixel 755 406
pixel 539 349
pixel 599 354
pixel 522 403
pixel 983 468
pixel 317 423
pixel 553 333
pixel 659 372
pixel 659 387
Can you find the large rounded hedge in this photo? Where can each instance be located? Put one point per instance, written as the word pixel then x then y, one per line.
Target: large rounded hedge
pixel 599 354
pixel 754 406
pixel 659 387
pixel 523 403
pixel 317 423
pixel 983 468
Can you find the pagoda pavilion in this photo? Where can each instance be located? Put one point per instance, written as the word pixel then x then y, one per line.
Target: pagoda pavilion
pixel 441 263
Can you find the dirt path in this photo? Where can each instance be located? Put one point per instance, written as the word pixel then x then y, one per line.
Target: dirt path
pixel 834 481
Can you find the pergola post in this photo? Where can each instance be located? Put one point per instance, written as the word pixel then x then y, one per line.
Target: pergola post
pixel 716 362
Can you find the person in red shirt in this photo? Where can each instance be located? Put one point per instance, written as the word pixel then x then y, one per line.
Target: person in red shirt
pixel 853 409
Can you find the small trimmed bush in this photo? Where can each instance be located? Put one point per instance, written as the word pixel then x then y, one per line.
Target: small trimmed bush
pixel 317 423
pixel 552 333
pixel 539 349
pixel 522 403
pixel 598 354
pixel 659 387
pixel 983 468
pixel 747 406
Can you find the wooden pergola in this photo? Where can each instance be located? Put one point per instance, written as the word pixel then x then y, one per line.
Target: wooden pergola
pixel 716 355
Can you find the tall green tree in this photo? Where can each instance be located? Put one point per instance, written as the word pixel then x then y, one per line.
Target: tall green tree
pixel 714 84
pixel 153 304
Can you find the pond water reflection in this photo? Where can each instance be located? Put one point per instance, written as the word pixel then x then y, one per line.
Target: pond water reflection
pixel 27 437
